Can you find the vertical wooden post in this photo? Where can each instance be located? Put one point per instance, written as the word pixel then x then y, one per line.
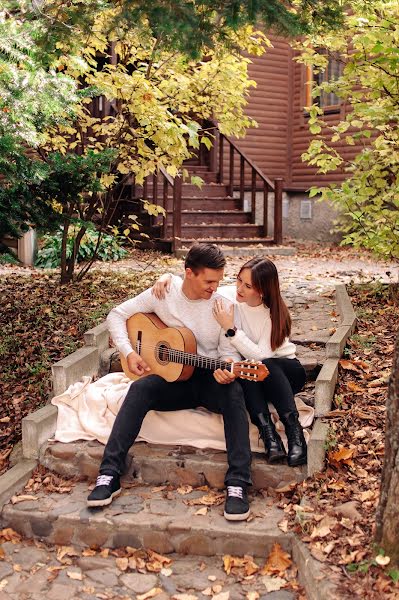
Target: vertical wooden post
pixel 164 225
pixel 242 181
pixel 231 175
pixel 221 159
pixel 153 219
pixel 145 189
pixel 265 208
pixel 177 213
pixel 278 210
pixel 213 153
pixel 253 196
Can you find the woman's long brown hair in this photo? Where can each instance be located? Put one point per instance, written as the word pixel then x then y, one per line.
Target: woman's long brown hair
pixel 265 280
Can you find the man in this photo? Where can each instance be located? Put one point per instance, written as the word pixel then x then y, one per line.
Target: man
pixel 189 304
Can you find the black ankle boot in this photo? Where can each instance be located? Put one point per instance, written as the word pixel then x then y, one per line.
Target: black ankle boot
pixel 297 448
pixel 274 448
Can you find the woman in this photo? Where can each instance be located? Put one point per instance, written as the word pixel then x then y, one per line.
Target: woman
pixel 259 326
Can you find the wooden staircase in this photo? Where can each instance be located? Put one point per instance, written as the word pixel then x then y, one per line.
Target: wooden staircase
pixel 221 211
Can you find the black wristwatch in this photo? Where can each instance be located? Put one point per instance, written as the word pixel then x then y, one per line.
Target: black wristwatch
pixel 231 332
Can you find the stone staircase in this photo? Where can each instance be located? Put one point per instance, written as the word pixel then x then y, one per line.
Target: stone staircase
pixel 172 499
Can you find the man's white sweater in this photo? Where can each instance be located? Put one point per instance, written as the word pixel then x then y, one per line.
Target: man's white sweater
pixel 176 310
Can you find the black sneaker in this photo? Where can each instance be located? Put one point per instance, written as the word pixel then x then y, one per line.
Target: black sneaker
pixel 236 507
pixel 107 488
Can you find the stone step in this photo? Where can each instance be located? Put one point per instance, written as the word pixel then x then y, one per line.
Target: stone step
pixel 163 520
pixel 153 464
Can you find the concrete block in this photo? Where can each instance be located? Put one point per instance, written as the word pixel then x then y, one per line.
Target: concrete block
pixel 72 368
pixel 325 386
pixel 36 429
pixel 98 337
pixel 312 574
pixel 316 447
pixel 344 306
pixel 336 344
pixel 14 479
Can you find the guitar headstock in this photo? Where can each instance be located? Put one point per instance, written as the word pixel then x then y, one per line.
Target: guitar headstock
pixel 250 369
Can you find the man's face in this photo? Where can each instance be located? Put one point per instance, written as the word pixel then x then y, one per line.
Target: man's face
pixel 203 283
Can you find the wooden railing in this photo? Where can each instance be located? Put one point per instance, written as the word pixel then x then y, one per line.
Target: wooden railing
pixel 256 174
pixel 222 155
pixel 164 180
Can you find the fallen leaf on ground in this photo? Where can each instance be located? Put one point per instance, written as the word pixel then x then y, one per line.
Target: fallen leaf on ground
pixel 202 511
pixel 64 552
pixel 277 561
pixel 75 575
pixel 149 594
pixel 343 455
pixel 122 563
pixel 222 596
pixel 383 561
pixel 211 499
pixel 23 498
pixel 283 525
pixel 273 584
pixel 207 592
pixel 9 535
pixel 166 572
pixel 184 489
pixel 237 565
pixel 216 589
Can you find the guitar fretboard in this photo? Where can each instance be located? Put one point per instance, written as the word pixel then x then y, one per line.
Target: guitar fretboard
pixel 164 353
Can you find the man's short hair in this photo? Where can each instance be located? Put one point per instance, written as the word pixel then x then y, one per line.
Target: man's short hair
pixel 204 256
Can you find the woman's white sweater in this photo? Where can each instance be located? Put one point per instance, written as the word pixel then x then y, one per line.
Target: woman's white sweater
pixel 254 328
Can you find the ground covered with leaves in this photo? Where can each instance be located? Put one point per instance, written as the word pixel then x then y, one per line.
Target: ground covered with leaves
pixel 334 512
pixel 41 322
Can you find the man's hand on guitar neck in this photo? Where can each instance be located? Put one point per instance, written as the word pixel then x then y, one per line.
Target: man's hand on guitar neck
pixel 136 364
pixel 224 376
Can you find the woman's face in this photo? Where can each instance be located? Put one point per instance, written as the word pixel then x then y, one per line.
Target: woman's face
pixel 245 291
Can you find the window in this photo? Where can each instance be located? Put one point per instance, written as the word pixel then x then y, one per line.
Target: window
pixel 327 100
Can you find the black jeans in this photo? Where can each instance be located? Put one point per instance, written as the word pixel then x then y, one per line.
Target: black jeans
pixel 286 378
pixel 154 393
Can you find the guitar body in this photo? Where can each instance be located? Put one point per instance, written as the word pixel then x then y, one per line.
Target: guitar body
pixel 153 335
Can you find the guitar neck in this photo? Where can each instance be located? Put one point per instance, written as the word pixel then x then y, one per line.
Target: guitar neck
pixel 197 360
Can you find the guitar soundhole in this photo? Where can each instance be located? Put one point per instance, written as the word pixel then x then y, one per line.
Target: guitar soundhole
pixel 162 353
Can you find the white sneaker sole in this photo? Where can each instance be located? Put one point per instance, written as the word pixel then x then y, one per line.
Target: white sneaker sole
pixel 104 502
pixel 237 517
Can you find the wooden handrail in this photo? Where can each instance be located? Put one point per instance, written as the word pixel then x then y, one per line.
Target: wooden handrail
pixel 249 162
pixel 256 172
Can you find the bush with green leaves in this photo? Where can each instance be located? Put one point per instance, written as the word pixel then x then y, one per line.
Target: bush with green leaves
pixel 108 248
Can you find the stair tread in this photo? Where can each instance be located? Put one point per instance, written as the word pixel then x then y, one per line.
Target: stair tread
pixel 143 517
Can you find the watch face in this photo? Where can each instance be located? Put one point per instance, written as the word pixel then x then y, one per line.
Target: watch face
pixel 231 332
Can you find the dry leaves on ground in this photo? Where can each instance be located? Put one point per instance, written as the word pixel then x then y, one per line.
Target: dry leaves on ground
pixel 334 512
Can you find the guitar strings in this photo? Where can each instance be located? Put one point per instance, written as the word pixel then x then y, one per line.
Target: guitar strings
pixel 175 353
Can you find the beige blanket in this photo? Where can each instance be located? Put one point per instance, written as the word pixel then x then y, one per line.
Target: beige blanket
pixel 87 410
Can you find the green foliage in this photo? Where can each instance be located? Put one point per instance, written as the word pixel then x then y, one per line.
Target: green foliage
pixel 46 192
pixel 107 247
pixel 8 258
pixel 188 27
pixel 31 96
pixel 369 198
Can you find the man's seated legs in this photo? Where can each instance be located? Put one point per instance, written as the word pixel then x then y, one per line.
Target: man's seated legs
pixel 228 400
pixel 149 393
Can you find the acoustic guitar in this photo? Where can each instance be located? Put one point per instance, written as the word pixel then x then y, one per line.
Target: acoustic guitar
pixel 171 352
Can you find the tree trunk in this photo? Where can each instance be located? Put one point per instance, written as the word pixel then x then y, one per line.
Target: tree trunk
pixel 387 530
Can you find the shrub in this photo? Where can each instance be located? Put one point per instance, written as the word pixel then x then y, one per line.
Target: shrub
pixel 109 248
